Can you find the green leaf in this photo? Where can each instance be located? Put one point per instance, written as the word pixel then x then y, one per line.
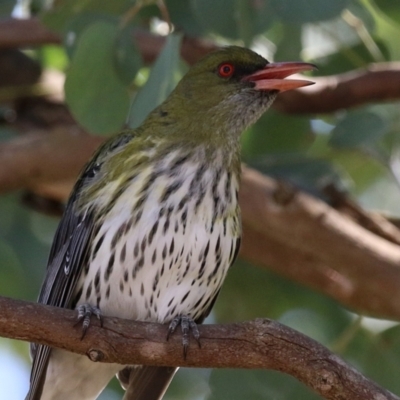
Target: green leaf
pixel 308 322
pixel 94 93
pixel 77 25
pixel 43 227
pixel 308 173
pixel 127 57
pixel 390 8
pixel 274 133
pixel 348 58
pixel 240 384
pixel 234 19
pixel 363 170
pixel 7 213
pixel 357 129
pixel 290 45
pixel 256 291
pixel 377 356
pixel 160 83
pixel 183 17
pixel 252 18
pixel 217 16
pixel 6 7
pixel 11 272
pixel 53 57
pixel 62 12
pixel 302 11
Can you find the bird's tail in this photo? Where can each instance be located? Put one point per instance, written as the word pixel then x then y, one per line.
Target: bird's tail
pixel 146 382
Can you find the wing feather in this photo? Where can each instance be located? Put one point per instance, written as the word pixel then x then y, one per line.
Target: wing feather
pixel 66 261
pixel 69 253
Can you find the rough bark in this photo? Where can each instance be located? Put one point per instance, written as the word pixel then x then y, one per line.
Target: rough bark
pixel 261 343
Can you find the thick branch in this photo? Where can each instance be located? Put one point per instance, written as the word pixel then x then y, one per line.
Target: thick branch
pixel 377 83
pixel 305 239
pixel 37 159
pixel 17 33
pixel 283 230
pixel 257 344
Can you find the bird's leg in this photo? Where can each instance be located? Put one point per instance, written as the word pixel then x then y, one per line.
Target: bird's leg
pixel 187 324
pixel 85 312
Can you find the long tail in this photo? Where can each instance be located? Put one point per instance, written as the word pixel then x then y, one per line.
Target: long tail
pixel 145 382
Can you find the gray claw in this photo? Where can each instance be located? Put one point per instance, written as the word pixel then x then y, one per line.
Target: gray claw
pixel 187 324
pixel 85 312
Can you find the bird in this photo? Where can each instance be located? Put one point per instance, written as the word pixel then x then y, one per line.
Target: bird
pixel 153 223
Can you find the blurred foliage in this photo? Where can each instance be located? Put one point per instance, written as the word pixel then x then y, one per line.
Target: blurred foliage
pixel 160 82
pixel 108 85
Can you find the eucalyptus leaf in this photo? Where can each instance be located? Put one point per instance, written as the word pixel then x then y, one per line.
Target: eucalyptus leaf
pixel 183 17
pixel 94 92
pixel 348 58
pixel 217 16
pixel 6 7
pixel 78 24
pixel 239 384
pixel 61 13
pixel 275 133
pixel 250 292
pixel 390 8
pixel 7 214
pixel 357 129
pixel 302 11
pixel 252 18
pixel 234 18
pixel 11 273
pixel 308 173
pixel 377 356
pixel 161 81
pixel 363 170
pixel 308 322
pixel 127 58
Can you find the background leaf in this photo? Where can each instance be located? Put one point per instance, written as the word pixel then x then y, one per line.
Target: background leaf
pixel 95 95
pixel 357 129
pixel 390 8
pixel 161 81
pixel 301 11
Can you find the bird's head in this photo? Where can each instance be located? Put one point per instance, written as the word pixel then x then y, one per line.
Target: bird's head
pixel 225 92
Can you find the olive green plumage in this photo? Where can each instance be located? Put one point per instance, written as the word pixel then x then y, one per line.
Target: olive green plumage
pixel 153 223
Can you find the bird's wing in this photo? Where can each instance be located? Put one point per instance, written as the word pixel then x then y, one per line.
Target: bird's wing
pixel 68 256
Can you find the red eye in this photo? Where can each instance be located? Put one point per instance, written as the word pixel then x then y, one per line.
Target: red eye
pixel 226 70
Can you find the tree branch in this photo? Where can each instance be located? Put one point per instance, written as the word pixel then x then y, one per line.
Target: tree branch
pixel 284 230
pixel 35 160
pixel 256 344
pixel 20 33
pixel 378 82
pixel 305 239
pixel 16 33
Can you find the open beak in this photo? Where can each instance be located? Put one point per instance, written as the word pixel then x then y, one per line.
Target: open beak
pixel 271 77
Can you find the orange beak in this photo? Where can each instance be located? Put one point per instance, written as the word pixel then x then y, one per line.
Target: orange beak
pixel 271 77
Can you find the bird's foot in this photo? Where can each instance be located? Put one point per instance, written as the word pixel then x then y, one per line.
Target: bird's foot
pixel 187 324
pixel 85 312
